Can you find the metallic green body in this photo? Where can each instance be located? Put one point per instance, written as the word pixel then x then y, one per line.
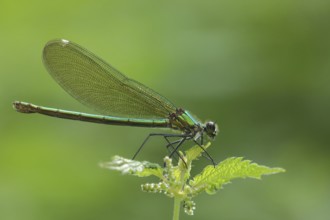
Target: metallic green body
pixel 102 119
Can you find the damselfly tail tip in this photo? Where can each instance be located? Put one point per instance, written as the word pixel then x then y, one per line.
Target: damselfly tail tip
pixel 22 107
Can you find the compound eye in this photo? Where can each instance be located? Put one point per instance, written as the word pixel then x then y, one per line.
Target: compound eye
pixel 211 129
pixel 210 126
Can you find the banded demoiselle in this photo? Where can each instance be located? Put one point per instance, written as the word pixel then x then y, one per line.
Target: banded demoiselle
pixel 120 100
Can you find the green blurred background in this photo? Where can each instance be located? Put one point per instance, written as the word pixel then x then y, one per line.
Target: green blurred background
pixel 258 68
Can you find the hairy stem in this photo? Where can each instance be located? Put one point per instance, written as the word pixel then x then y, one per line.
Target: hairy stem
pixel 176 210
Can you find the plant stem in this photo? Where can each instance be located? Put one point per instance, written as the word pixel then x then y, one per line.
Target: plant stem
pixel 176 210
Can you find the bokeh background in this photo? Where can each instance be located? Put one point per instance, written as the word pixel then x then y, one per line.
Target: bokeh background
pixel 258 68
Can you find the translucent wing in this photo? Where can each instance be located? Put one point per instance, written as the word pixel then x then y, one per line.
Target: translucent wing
pixel 99 86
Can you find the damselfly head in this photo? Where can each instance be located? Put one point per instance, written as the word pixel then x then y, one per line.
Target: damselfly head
pixel 211 129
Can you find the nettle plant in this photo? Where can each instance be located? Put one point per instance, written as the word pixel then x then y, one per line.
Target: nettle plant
pixel 175 180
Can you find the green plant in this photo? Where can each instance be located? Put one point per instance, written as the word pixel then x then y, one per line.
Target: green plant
pixel 176 181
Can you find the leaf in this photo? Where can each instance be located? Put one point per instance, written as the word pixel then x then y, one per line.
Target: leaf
pixel 213 178
pixel 195 152
pixel 133 167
